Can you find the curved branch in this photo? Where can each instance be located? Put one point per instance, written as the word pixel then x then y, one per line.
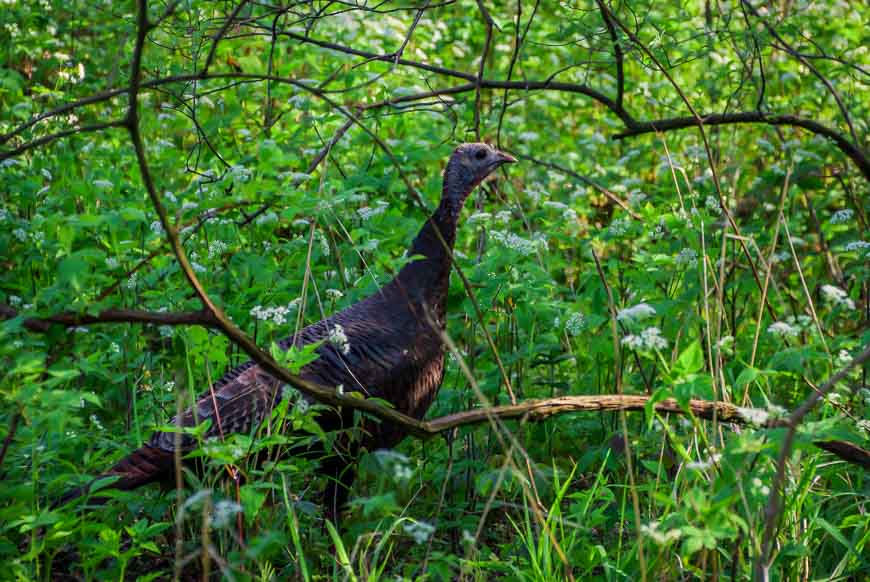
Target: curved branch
pixel 856 154
pixel 47 139
pixel 70 319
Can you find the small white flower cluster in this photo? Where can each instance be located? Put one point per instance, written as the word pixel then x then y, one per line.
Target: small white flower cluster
pixel 575 323
pixel 395 462
pixel 759 486
pixel 503 216
pixel 755 416
pixel 479 217
pixel 334 294
pixel 338 338
pixel 649 339
pixel 419 530
pixel 216 249
pixel 712 204
pixel 266 218
pixel 687 257
pixel 858 245
pixel 131 282
pixel 618 227
pixel 636 312
pixel 842 216
pixel 783 329
pixel 844 358
pixel 224 512
pixel 240 173
pixel 837 296
pixel 652 531
pixel 705 464
pixel 277 315
pixel 295 178
pixel 517 243
pixel 367 212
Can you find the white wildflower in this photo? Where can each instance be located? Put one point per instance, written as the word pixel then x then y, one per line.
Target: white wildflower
pixel 754 416
pixel 844 358
pixel 503 216
pixel 618 227
pixel 636 312
pixel 528 136
pixel 841 216
pixel 240 173
pixel 334 294
pixel 660 537
pixel 419 530
pixel 14 300
pixel 157 227
pixel 224 512
pixel 760 487
pixel 705 464
pixel 338 338
pixel 649 339
pixel 96 422
pixel 302 406
pixel 575 323
pixel 688 257
pixel 517 243
pixel 837 296
pixel 216 249
pixel 858 245
pixel 266 218
pixel 712 204
pixel 104 184
pixel 277 315
pixel 782 329
pixel 131 282
pixel 367 212
pixel 479 217
pixel 555 205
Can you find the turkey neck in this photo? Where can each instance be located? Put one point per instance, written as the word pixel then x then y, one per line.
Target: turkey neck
pixel 427 278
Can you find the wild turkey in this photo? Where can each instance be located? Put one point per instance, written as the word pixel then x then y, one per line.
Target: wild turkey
pixel 393 350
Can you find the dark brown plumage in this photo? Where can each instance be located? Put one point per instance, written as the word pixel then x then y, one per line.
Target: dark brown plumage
pixel 393 350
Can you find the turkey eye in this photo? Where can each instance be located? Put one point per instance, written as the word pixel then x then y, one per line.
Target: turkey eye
pixel 481 154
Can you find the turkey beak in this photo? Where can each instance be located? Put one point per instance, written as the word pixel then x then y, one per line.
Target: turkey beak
pixel 504 158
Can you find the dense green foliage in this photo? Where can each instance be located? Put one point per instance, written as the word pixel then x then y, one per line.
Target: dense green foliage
pixel 546 500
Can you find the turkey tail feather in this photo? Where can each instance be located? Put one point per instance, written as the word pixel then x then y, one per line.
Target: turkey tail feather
pixel 145 465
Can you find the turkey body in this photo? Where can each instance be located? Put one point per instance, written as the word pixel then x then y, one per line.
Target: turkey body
pixel 393 350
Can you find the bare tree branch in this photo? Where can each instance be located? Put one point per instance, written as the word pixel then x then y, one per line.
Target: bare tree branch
pixel 71 319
